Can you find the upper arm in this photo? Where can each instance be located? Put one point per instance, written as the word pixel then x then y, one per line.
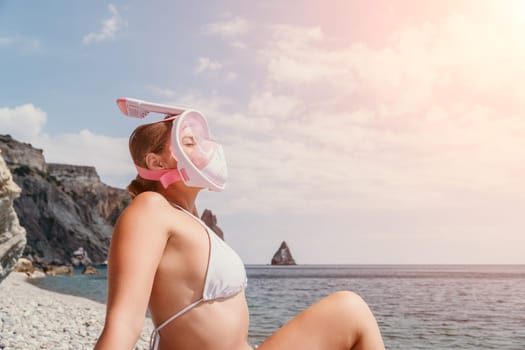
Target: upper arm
pixel 136 248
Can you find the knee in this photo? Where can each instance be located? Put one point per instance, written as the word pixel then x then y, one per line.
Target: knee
pixel 349 305
pixel 347 298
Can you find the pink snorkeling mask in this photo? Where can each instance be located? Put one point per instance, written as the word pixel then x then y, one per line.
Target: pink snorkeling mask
pixel 200 161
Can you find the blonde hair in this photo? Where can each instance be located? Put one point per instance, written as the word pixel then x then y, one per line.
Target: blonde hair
pixel 147 138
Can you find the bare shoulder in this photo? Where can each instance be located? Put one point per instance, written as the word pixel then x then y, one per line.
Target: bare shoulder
pixel 146 206
pixel 152 209
pixel 145 213
pixel 149 201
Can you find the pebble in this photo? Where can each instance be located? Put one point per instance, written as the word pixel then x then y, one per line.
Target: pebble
pixel 32 319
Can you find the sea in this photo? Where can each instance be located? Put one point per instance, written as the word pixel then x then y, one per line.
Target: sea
pixel 417 306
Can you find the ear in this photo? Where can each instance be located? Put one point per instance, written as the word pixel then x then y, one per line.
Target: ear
pixel 154 161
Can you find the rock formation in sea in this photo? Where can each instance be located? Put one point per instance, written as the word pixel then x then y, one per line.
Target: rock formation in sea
pixel 12 235
pixel 62 207
pixel 283 256
pixel 81 258
pixel 211 221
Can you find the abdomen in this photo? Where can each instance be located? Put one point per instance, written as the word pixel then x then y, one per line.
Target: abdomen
pixel 214 325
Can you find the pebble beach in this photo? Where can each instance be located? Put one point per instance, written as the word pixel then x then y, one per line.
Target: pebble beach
pixel 34 318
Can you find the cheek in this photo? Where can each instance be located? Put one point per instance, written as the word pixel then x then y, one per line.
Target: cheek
pixel 187 149
pixel 169 160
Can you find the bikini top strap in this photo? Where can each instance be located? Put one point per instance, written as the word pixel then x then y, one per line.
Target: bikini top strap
pixel 196 218
pixel 155 335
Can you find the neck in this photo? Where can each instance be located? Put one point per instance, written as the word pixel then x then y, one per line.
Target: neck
pixel 183 196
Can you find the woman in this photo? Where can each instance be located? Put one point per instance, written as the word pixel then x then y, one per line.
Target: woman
pixel 163 257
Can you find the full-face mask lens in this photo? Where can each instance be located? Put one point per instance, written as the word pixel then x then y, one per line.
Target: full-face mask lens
pixel 205 155
pixel 196 146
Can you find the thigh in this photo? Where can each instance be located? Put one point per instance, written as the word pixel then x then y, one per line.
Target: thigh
pixel 325 325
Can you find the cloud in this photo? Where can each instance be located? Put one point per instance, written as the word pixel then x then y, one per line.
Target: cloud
pixel 269 105
pixel 31 45
pixel 231 76
pixel 238 44
pixel 26 123
pixel 429 120
pixel 231 27
pixel 206 63
pixel 289 60
pixel 22 122
pixel 161 92
pixel 85 148
pixel 209 104
pixel 4 41
pixel 110 27
pixel 26 45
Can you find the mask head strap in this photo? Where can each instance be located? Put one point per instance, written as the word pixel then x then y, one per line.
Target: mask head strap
pixel 165 176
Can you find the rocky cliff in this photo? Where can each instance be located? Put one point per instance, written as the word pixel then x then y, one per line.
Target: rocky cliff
pixel 12 235
pixel 62 207
pixel 283 256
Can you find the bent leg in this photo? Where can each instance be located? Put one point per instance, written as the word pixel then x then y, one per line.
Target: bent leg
pixel 341 321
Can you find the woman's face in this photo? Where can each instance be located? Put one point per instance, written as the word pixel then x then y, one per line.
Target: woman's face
pixel 188 142
pixel 196 148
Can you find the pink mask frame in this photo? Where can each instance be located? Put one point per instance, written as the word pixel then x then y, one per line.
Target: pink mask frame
pixel 186 170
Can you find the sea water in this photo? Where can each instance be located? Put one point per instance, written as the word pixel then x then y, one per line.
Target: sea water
pixel 417 306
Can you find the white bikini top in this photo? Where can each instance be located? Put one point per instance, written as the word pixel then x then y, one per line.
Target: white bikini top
pixel 225 277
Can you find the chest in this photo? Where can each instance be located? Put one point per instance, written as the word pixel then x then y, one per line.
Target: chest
pixel 186 254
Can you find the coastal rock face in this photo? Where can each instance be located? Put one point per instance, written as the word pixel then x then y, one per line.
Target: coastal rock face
pixel 211 221
pixel 21 153
pixel 62 207
pixel 72 174
pixel 283 256
pixel 12 235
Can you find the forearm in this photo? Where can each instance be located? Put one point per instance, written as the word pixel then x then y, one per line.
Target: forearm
pixel 116 336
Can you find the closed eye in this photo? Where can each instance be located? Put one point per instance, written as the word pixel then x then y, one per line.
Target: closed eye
pixel 188 141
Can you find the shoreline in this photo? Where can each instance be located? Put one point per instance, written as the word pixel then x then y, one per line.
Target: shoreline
pixel 35 318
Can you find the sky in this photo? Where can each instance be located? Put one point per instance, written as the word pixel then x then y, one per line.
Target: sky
pixel 359 132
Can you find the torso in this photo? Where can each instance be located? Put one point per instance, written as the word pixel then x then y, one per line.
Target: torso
pixel 179 281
